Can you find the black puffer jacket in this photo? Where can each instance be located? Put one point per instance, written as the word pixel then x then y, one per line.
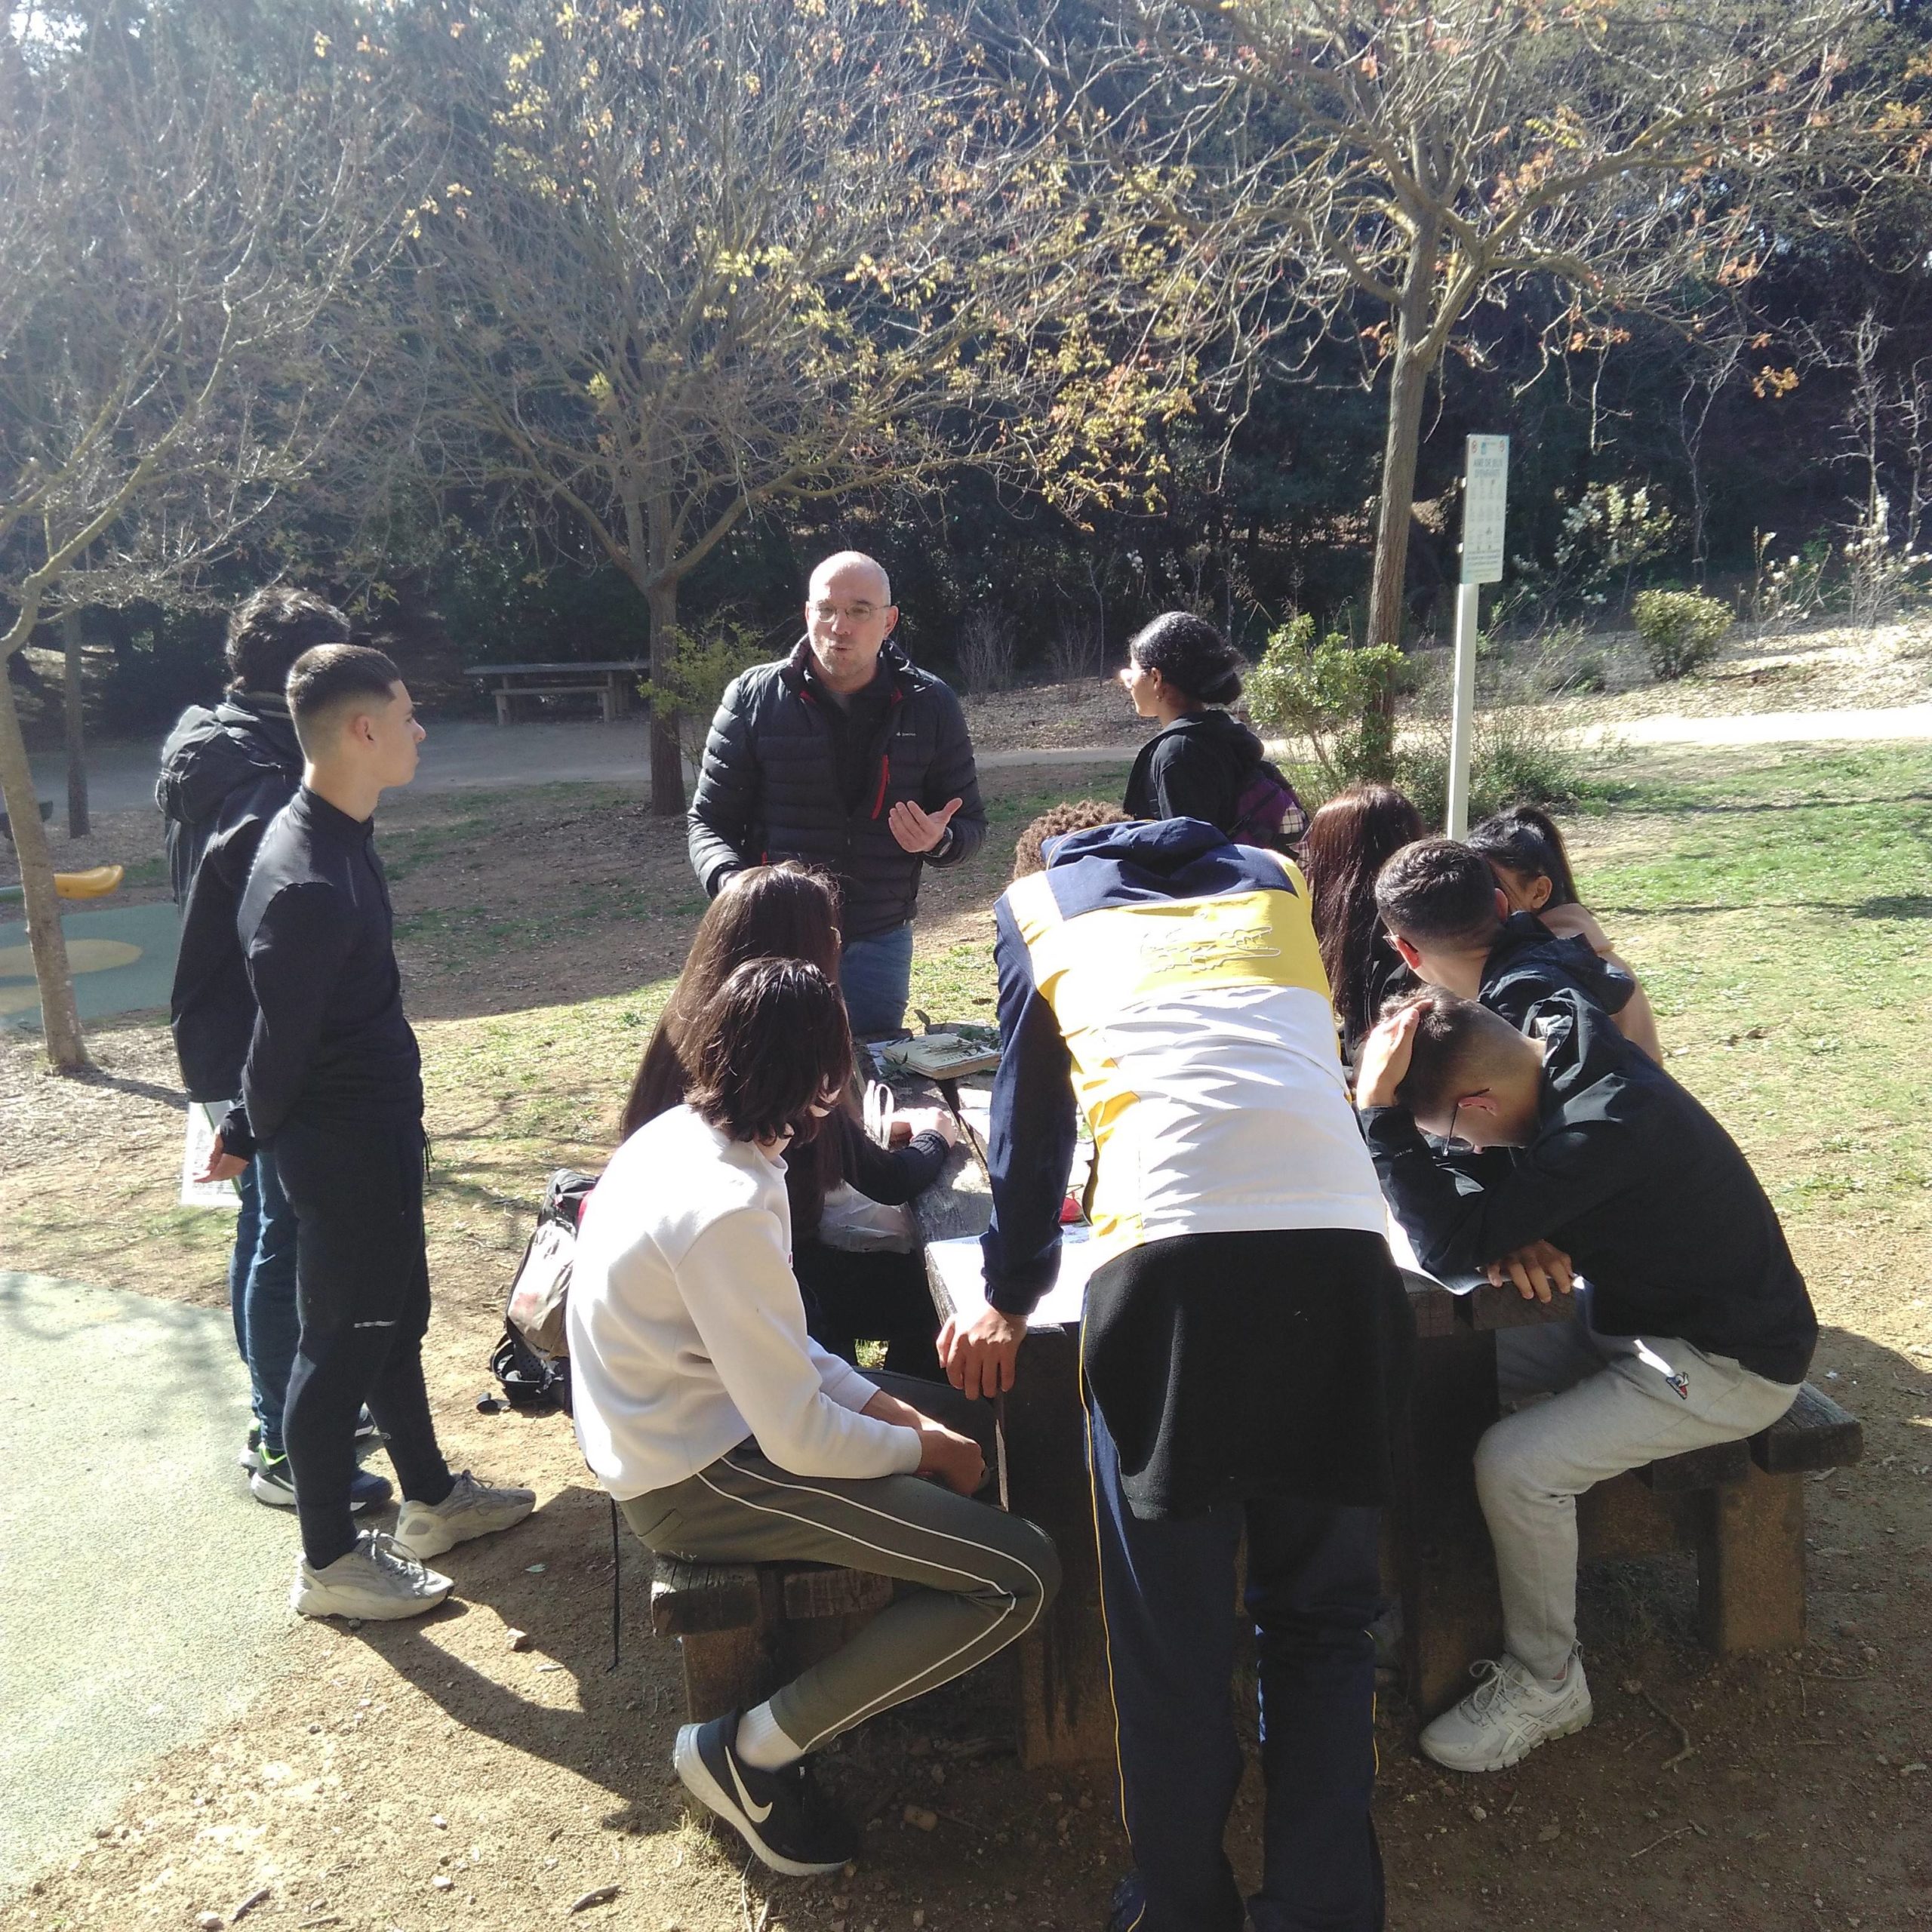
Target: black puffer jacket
pixel 769 788
pixel 224 774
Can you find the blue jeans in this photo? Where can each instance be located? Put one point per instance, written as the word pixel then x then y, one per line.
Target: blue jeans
pixel 261 1292
pixel 876 974
pixel 1312 1590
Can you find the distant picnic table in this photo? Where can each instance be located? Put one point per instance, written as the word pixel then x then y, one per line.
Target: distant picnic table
pixel 613 683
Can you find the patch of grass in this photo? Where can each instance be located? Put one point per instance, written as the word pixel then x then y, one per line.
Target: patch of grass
pixel 1775 905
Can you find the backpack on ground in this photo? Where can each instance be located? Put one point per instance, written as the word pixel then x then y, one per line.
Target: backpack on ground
pixel 1267 812
pixel 531 1360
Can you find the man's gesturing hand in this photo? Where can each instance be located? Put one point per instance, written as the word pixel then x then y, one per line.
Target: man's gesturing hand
pixel 918 830
pixel 979 1355
pixel 1539 1268
pixel 1384 1064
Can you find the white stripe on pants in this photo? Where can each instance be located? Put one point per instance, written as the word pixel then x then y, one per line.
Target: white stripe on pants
pixel 1620 1402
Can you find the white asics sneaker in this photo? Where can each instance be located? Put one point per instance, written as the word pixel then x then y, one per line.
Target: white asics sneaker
pixel 471 1508
pixel 375 1580
pixel 1507 1715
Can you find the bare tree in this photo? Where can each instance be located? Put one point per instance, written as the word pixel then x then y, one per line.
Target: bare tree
pixel 182 216
pixel 1428 156
pixel 695 261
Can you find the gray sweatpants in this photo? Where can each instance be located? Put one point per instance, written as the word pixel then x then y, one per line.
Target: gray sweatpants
pixel 982 1578
pixel 1619 1403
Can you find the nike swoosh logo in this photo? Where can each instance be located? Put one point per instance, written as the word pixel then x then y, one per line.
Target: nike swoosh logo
pixel 757 1814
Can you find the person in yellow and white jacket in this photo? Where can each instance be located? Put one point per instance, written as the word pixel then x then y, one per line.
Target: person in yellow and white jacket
pixel 1244 1345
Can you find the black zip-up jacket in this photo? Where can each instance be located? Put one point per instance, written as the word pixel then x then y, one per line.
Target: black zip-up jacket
pixel 1196 767
pixel 770 786
pixel 224 774
pixel 892 1175
pixel 1645 1192
pixel 1528 963
pixel 331 1047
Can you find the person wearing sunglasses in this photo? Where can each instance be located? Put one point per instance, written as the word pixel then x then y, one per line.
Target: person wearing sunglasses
pixel 1695 1326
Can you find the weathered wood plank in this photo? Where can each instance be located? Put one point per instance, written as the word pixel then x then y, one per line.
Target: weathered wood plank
pixel 1814 1433
pixel 1751 1564
pixel 693 1598
pixel 811 1590
pixel 1697 1469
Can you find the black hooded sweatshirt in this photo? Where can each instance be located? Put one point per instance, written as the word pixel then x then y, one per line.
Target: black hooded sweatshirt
pixel 1197 768
pixel 1645 1192
pixel 224 774
pixel 1528 963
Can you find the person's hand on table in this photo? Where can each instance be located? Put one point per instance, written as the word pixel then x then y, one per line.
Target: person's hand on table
pixel 1384 1063
pixel 221 1165
pixel 916 1121
pixel 979 1355
pixel 918 830
pixel 1539 1268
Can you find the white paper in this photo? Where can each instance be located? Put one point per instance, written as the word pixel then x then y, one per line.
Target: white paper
pixel 958 1264
pixel 1404 1251
pixel 196 1146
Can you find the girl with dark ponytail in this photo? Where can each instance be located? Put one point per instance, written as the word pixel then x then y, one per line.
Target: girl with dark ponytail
pixel 1202 764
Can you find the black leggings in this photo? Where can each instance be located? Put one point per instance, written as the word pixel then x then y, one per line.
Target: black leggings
pixel 878 1297
pixel 362 1284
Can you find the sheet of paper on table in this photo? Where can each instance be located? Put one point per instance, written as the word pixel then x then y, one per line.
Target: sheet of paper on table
pixel 958 1264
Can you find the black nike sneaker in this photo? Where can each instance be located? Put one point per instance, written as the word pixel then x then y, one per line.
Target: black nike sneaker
pixel 778 1813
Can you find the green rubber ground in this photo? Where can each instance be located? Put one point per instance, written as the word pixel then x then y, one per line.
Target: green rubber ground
pixel 123 959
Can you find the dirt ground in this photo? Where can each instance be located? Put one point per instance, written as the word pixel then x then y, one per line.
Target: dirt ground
pixel 428 1776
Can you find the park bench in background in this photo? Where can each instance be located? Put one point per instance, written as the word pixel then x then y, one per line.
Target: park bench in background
pixel 612 684
pixel 745 1628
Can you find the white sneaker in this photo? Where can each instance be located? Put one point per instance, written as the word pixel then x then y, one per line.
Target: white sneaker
pixel 1507 1715
pixel 471 1508
pixel 375 1580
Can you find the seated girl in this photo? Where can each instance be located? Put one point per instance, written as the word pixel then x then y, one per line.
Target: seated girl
pixel 1349 841
pixel 727 1435
pixel 785 912
pixel 1526 853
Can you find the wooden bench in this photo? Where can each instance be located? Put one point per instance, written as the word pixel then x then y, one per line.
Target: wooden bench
pixel 1740 1508
pixel 745 1628
pixel 611 683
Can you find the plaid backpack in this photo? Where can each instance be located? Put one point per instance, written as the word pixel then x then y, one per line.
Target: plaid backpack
pixel 531 1360
pixel 1267 813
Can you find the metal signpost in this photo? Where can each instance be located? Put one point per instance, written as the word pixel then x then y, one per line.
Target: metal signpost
pixel 1485 485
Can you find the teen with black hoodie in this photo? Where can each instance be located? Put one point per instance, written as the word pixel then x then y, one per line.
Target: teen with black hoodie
pixel 1696 1328
pixel 1179 670
pixel 224 774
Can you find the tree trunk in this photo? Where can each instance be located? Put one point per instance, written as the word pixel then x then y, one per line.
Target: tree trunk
pixel 78 827
pixel 61 1019
pixel 667 771
pixel 1408 391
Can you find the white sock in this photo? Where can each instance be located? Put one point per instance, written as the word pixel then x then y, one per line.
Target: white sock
pixel 762 1744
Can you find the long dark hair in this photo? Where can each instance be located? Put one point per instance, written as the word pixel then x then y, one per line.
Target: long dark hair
pixel 1348 842
pixel 781 911
pixel 1527 840
pixel 771 1043
pixel 1190 654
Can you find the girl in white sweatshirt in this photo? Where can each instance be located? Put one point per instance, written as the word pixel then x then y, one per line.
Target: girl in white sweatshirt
pixel 726 1434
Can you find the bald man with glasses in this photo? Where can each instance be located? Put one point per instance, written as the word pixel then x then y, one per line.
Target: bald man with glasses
pixel 847 756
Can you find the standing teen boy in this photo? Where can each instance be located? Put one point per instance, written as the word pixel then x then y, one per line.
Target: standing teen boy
pixel 333 1083
pixel 1242 1346
pixel 1696 1328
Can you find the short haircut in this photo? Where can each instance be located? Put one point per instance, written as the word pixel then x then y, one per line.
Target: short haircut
pixel 1190 654
pixel 1081 816
pixel 325 683
pixel 273 628
pixel 771 1044
pixel 1437 892
pixel 1460 1047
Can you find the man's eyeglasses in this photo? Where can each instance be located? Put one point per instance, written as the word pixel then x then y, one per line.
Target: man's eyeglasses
pixel 858 613
pixel 1451 1139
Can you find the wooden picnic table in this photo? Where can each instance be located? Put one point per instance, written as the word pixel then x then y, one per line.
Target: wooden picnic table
pixel 1739 1506
pixel 613 682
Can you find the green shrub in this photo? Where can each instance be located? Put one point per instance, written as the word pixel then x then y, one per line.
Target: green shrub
pixel 1335 697
pixel 700 668
pixel 1680 629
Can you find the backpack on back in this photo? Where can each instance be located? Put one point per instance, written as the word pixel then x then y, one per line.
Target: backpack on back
pixel 531 1359
pixel 1267 813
